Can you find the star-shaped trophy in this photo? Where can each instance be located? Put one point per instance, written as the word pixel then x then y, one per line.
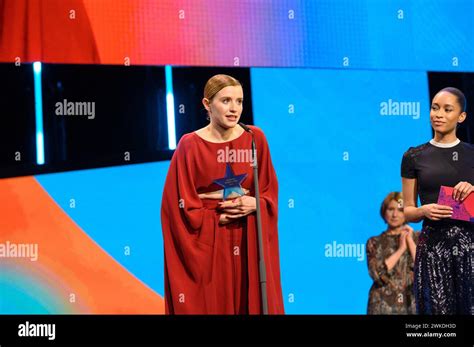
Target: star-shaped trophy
pixel 231 183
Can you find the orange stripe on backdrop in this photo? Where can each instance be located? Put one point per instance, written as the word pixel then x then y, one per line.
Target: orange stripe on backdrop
pixel 145 31
pixel 100 32
pixel 53 31
pixel 135 32
pixel 29 215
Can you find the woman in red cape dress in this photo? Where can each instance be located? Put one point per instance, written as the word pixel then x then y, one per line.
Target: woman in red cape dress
pixel 210 245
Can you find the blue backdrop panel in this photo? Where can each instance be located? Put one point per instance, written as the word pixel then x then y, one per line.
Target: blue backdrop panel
pixel 119 208
pixel 336 155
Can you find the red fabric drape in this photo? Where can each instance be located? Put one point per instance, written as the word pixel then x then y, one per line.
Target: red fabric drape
pixel 200 271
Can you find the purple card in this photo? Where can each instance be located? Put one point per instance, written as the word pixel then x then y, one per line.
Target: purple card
pixel 461 210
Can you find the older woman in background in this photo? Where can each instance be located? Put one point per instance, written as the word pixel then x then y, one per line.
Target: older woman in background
pixel 390 259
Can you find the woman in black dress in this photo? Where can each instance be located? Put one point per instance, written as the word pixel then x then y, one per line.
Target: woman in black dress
pixel 443 265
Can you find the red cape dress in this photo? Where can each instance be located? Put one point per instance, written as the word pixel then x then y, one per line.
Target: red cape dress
pixel 212 268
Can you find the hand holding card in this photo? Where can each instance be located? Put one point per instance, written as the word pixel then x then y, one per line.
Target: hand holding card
pixel 461 210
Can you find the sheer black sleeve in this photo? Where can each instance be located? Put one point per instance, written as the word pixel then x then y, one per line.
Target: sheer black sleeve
pixel 408 164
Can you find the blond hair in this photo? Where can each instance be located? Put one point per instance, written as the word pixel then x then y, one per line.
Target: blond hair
pixel 218 82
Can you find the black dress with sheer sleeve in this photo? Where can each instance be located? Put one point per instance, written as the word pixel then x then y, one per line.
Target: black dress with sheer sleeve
pixel 444 282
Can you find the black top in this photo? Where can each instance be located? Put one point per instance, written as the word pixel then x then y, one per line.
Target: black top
pixel 435 166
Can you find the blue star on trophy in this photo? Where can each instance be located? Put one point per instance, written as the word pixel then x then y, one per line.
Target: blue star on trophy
pixel 231 183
